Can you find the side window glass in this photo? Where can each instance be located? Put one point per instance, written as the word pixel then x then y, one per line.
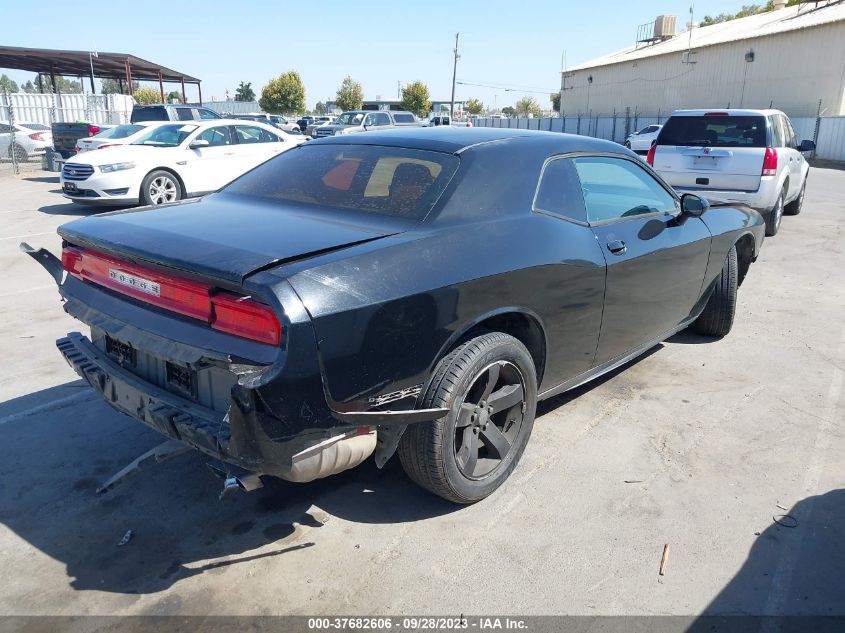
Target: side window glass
pixel 369 120
pixel 382 119
pixel 252 134
pixel 789 132
pixel 560 191
pixel 184 114
pixel 207 114
pixel 5 129
pixel 777 132
pixel 216 136
pixel 615 188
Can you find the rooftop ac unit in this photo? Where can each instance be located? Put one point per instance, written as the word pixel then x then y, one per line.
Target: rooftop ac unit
pixel 664 26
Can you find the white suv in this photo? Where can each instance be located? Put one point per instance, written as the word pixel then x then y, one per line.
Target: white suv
pixel 747 156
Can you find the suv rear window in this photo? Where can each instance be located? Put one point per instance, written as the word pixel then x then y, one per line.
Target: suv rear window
pixel 149 113
pixel 714 131
pixel 403 118
pixel 392 181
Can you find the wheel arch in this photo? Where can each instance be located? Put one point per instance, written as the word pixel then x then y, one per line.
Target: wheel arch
pixel 522 323
pixel 746 249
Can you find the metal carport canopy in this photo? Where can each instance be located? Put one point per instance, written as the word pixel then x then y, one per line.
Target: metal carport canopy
pixel 120 66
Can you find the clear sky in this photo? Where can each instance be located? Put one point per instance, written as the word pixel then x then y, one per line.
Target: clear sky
pixel 515 46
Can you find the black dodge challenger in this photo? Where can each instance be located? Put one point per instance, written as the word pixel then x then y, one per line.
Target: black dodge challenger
pixel 412 290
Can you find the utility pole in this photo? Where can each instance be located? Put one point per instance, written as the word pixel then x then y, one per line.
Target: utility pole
pixel 398 89
pixel 454 72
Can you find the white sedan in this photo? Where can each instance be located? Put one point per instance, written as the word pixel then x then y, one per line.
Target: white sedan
pixel 641 141
pixel 117 135
pixel 172 161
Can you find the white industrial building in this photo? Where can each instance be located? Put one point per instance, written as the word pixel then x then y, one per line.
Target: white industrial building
pixel 790 58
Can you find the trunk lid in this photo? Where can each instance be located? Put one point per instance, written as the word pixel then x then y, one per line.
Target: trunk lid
pixel 718 152
pixel 224 236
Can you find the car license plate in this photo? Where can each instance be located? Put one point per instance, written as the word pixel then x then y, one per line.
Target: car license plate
pixel 133 281
pixel 70 187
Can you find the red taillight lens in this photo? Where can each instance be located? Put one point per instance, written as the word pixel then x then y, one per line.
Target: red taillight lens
pixel 225 312
pixel 36 136
pixel 244 317
pixel 105 145
pixel 770 162
pixel 93 129
pixel 650 156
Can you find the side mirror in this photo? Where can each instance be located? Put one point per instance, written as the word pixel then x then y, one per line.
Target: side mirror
pixel 198 144
pixel 693 206
pixel 807 146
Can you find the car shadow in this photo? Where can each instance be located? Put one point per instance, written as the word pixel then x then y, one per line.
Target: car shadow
pixel 688 337
pixel 52 461
pixel 793 576
pixel 70 208
pixel 51 179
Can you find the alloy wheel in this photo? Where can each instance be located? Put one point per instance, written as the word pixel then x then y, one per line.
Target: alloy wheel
pixel 489 420
pixel 778 212
pixel 162 189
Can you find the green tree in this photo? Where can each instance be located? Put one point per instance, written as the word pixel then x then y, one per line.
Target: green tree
pixel 112 87
pixel 245 92
pixel 350 95
pixel 744 12
pixel 147 95
pixel 474 106
pixel 283 95
pixel 174 95
pixel 7 84
pixel 508 111
pixel 526 106
pixel 556 102
pixel 65 86
pixel 320 108
pixel 415 99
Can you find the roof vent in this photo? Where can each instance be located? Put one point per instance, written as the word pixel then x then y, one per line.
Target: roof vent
pixel 778 5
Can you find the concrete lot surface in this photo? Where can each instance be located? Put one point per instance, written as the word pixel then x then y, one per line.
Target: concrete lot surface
pixel 698 445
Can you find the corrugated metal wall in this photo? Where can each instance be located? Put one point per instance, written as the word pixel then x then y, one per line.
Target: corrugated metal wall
pixel 48 108
pixel 232 107
pixel 830 143
pixel 791 71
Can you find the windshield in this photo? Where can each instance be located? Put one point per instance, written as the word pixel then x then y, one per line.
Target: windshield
pixel 350 118
pixel 714 131
pixel 165 135
pixel 120 131
pixel 391 181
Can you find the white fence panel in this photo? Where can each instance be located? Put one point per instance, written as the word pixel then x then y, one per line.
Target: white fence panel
pixel 831 143
pixel 47 108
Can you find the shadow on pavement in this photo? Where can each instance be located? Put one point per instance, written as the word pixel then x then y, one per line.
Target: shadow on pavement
pixel 688 337
pixel 51 463
pixel 52 179
pixel 70 208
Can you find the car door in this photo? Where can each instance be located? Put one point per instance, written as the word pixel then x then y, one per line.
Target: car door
pixel 794 158
pixel 656 259
pixel 205 167
pixel 5 139
pixel 255 145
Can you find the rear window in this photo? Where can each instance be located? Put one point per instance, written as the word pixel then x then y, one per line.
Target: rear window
pixel 390 181
pixel 152 113
pixel 120 131
pixel 35 126
pixel 404 118
pixel 714 131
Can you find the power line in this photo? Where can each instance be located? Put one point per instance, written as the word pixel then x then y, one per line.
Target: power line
pixel 531 89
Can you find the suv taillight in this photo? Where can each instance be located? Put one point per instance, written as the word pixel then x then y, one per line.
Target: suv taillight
pixel 770 162
pixel 650 156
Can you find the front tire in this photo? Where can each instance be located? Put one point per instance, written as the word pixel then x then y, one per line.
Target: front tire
pixel 717 319
pixel 774 217
pixel 794 207
pixel 160 187
pixel 489 384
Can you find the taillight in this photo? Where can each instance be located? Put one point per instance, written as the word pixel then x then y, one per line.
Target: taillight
pixel 105 145
pixel 770 162
pixel 244 317
pixel 36 136
pixel 223 311
pixel 93 129
pixel 650 156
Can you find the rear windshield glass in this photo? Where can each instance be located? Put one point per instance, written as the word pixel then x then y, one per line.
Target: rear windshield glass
pixel 154 113
pixel 120 131
pixel 404 118
pixel 390 181
pixel 35 126
pixel 714 131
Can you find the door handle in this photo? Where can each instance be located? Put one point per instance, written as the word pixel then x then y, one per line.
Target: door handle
pixel 617 247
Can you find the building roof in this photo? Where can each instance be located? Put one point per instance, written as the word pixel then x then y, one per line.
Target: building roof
pixel 801 16
pixel 78 63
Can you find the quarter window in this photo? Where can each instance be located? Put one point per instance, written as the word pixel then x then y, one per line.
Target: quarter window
pixel 779 139
pixel 253 134
pixel 207 114
pixel 184 114
pixel 560 191
pixel 382 119
pixel 615 188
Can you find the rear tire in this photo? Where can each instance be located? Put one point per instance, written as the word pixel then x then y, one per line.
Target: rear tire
pixel 774 217
pixel 489 384
pixel 160 187
pixel 794 207
pixel 717 319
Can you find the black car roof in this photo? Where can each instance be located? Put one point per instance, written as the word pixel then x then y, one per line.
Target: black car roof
pixel 455 140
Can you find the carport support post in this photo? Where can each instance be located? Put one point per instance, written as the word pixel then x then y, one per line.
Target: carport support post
pixel 199 89
pixel 128 76
pixel 40 84
pixel 613 131
pixel 161 86
pixel 184 98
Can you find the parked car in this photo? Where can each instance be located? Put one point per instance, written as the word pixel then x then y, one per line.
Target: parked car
pixel 263 118
pixel 438 120
pixel 171 112
pixel 172 161
pixel 641 141
pixel 66 135
pixel 317 122
pixel 748 156
pixel 111 137
pixel 283 124
pixel 304 122
pixel 334 303
pixel 365 121
pixel 31 140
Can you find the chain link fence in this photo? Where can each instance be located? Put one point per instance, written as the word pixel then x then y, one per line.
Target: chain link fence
pixel 827 131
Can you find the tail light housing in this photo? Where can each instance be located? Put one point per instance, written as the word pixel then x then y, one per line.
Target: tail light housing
pixel 93 129
pixel 36 136
pixel 650 156
pixel 770 162
pixel 224 311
